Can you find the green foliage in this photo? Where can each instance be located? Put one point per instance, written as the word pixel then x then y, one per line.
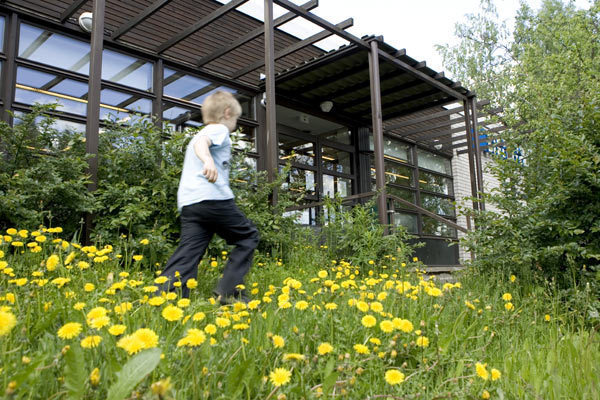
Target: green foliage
pixel 133 372
pixel 278 230
pixel 42 174
pixel 548 220
pixel 75 376
pixel 355 234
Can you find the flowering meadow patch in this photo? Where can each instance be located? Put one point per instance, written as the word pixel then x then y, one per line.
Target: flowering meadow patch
pixel 84 322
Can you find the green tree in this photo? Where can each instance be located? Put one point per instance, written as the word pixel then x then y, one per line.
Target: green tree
pixel 548 80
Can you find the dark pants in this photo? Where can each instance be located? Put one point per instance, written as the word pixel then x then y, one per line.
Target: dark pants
pixel 199 222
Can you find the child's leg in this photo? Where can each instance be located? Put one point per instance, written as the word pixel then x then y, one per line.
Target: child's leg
pixel 196 234
pixel 236 229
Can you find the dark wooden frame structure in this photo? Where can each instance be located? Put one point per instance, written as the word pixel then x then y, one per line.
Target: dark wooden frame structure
pixel 392 85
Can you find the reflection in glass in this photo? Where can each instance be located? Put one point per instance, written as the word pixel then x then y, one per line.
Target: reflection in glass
pixel 307 216
pixel 434 162
pixel 435 183
pixel 333 185
pixel 191 88
pixel 244 138
pixel 343 135
pixel 301 181
pixel 39 87
pixel 58 124
pixel 296 150
pixel 336 160
pixel 438 205
pixel 36 44
pixel 126 70
pixel 393 149
pixel 408 221
pixel 404 194
pixel 1 33
pixel 437 228
pixel 395 173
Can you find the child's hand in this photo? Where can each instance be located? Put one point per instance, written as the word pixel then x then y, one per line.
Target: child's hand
pixel 210 171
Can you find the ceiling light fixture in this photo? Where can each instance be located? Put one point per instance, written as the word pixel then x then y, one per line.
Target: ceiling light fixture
pixel 326 106
pixel 85 21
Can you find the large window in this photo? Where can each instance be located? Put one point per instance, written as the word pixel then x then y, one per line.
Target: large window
pixel 434 191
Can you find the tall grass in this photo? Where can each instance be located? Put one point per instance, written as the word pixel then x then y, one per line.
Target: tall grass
pixel 378 318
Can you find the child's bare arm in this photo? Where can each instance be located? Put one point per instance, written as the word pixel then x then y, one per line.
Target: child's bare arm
pixel 201 149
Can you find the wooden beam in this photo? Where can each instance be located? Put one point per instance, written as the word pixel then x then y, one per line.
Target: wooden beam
pixel 386 92
pixel 360 86
pixel 435 103
pixel 430 80
pixel 72 9
pixel 427 117
pixel 331 79
pixel 148 11
pixel 253 35
pixel 219 12
pixel 293 48
pixel 322 23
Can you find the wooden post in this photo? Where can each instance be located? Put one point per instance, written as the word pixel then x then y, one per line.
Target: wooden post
pixel 93 104
pixel 271 121
pixel 377 131
pixel 470 153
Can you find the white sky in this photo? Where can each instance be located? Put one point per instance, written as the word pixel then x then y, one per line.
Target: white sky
pixel 416 26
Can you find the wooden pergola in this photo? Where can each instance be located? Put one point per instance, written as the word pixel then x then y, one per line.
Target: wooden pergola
pixel 368 81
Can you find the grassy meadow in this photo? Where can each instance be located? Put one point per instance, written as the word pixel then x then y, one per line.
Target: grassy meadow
pixel 83 323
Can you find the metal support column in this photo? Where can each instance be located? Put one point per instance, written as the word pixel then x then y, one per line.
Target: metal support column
pixel 472 173
pixel 377 131
pixel 9 67
pixel 93 104
pixel 478 162
pixel 271 121
pixel 157 87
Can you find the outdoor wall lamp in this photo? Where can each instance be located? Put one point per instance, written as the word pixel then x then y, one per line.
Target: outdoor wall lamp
pixel 85 21
pixel 326 106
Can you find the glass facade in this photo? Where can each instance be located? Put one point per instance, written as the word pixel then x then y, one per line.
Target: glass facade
pixel 434 192
pixel 53 67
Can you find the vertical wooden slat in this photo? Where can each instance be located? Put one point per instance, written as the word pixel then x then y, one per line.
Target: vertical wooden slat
pixel 157 87
pixel 271 121
pixel 470 153
pixel 478 161
pixel 93 104
pixel 9 68
pixel 377 131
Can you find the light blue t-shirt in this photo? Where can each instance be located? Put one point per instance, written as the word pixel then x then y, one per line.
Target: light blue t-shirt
pixel 193 185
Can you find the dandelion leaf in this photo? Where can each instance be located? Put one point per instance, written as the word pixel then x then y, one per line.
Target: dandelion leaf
pixel 133 372
pixel 75 375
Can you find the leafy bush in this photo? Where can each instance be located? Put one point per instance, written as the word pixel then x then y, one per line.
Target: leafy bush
pixel 355 234
pixel 546 77
pixel 42 174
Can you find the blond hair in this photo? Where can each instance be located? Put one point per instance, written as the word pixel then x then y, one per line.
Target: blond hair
pixel 214 106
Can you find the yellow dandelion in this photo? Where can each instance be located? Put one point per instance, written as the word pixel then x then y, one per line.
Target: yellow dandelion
pixel 422 341
pixel 210 329
pixel 172 313
pixel 90 342
pixel 361 349
pixel 293 357
pixel 507 297
pixel 7 322
pixel 386 326
pixel 325 348
pixel 117 330
pixel 301 305
pixel 368 321
pixel 280 376
pixel 509 306
pixel 482 371
pixel 495 374
pixel 394 377
pixel 278 341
